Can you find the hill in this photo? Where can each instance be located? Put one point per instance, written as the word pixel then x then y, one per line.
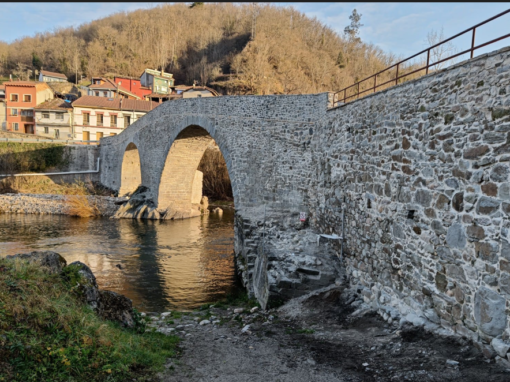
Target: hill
pixel 238 49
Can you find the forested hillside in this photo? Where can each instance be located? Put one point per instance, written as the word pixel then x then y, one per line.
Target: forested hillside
pixel 238 49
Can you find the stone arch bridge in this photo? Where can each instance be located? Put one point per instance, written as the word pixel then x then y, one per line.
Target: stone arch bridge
pixel 421 172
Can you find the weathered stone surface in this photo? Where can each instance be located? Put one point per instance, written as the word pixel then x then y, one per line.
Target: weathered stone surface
pixel 475 232
pixel 116 307
pixel 501 347
pixel 489 310
pixel 423 197
pixel 456 236
pixel 490 189
pixel 51 261
pixel 500 172
pixel 476 152
pixel 487 206
pixel 442 202
pixel 458 202
pixel 87 288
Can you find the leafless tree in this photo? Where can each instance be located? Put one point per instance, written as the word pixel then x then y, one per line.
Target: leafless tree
pixel 442 51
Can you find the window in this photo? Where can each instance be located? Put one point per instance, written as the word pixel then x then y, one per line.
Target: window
pixel 27 113
pixel 113 121
pixel 86 118
pixel 27 98
pixel 100 120
pixel 112 134
pixel 97 94
pixel 98 82
pixel 46 115
pixel 15 126
pixel 59 116
pixel 127 121
pixel 14 97
pixel 46 130
pixel 14 111
pixel 99 135
pixel 105 94
pixel 57 133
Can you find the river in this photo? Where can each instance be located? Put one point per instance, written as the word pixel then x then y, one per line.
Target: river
pixel 160 265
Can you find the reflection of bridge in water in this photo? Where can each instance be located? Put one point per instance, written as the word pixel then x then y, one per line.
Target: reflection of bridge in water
pixel 165 265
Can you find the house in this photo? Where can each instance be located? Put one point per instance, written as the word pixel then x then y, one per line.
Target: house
pixel 159 82
pixel 47 76
pixel 132 84
pixel 96 117
pixel 195 91
pixel 21 97
pixel 54 119
pixel 104 87
pixel 3 124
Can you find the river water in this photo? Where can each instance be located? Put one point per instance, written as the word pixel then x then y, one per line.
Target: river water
pixel 160 265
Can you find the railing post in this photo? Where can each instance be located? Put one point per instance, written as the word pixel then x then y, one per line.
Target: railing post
pixel 375 82
pixel 473 43
pixel 345 94
pixel 428 61
pixel 396 77
pixel 357 95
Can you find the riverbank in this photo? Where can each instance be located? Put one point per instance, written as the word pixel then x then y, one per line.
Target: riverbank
pixel 49 204
pixel 329 336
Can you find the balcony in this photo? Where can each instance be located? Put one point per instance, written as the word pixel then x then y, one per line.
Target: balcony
pixel 27 119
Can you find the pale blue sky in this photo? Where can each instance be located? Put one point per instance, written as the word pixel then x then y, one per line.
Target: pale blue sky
pixel 398 28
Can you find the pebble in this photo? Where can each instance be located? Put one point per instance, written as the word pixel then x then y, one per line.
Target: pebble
pixel 254 309
pixel 204 322
pixel 163 315
pixel 238 310
pixel 451 362
pixel 245 329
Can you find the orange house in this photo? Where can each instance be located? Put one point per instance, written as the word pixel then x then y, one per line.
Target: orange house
pixel 21 97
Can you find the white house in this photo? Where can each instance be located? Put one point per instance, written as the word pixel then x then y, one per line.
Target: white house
pixel 46 76
pixel 96 117
pixel 54 119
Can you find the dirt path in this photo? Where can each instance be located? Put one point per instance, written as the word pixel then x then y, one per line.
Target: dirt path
pixel 319 339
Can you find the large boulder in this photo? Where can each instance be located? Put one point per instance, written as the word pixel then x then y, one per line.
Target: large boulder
pixel 87 287
pixel 116 307
pixel 490 312
pixel 51 261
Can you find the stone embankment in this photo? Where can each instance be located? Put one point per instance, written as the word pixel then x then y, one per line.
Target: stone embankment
pixel 53 204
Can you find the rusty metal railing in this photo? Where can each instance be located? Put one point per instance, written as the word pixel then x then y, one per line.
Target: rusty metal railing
pixel 337 97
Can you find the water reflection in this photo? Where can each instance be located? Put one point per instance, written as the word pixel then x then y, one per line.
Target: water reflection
pixel 159 265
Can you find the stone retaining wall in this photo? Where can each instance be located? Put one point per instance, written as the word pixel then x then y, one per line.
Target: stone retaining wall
pixel 51 204
pixel 422 170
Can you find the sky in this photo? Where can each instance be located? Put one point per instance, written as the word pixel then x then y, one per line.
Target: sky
pixel 394 27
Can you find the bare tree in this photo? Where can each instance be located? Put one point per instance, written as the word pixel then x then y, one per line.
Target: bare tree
pixel 442 51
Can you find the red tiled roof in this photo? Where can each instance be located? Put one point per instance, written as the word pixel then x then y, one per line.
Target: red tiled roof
pixel 115 103
pixel 54 104
pixel 110 85
pixel 53 74
pixel 37 84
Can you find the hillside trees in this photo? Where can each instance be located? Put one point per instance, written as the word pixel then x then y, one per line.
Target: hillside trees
pixel 237 48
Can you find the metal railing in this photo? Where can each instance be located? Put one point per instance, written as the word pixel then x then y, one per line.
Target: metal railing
pixel 337 97
pixel 49 140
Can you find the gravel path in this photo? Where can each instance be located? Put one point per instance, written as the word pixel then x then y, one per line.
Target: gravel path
pixel 319 339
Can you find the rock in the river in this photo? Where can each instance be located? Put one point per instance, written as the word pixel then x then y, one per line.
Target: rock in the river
pixel 116 307
pixel 52 261
pixel 205 322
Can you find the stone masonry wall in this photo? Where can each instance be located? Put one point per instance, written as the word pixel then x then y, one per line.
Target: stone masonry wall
pixel 422 170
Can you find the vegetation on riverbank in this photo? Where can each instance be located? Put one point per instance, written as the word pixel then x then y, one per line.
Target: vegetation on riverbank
pixel 216 182
pixel 46 185
pixel 31 157
pixel 48 334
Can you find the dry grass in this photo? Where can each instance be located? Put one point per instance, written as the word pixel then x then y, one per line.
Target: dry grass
pixel 82 206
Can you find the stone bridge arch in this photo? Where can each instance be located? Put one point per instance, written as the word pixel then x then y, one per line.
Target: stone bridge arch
pixel 176 184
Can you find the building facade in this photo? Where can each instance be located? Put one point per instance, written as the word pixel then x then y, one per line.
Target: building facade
pixel 97 117
pixel 47 76
pixel 134 85
pixel 54 119
pixel 104 87
pixel 21 97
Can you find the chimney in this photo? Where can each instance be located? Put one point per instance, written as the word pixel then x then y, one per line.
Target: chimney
pixel 162 72
pixel 10 77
